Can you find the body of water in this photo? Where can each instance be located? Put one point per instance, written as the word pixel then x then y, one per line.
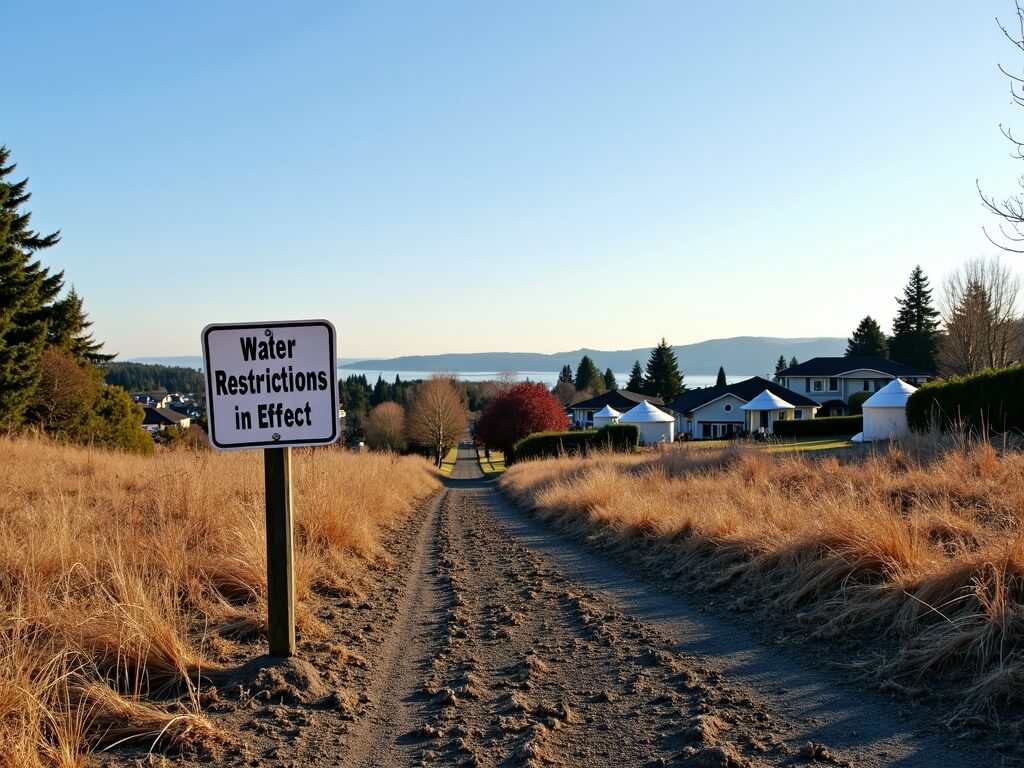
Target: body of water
pixel 692 380
pixel 550 378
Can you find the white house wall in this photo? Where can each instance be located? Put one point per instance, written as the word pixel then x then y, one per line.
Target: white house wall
pixel 711 412
pixel 848 384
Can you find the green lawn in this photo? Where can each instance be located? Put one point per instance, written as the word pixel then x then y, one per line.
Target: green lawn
pixel 795 445
pixel 809 444
pixel 493 467
pixel 448 463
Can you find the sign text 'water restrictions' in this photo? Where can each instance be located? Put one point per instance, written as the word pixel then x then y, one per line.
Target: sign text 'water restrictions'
pixel 271 384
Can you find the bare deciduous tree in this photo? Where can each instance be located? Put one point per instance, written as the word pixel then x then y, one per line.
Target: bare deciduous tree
pixel 385 427
pixel 1011 208
pixel 565 392
pixel 981 318
pixel 437 418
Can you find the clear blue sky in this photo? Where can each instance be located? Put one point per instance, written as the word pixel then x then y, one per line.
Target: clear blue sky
pixel 522 176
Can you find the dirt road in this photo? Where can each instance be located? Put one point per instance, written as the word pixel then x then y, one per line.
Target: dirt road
pixel 492 641
pixel 514 646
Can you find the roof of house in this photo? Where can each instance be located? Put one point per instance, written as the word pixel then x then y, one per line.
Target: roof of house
pixel 766 401
pixel 607 413
pixel 835 366
pixel 893 395
pixel 644 413
pixel 745 390
pixel 620 399
pixel 163 417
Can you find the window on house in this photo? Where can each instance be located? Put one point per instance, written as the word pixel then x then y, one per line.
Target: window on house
pixel 867 385
pixel 798 414
pixel 833 384
pixel 727 408
pixel 818 385
pixel 807 385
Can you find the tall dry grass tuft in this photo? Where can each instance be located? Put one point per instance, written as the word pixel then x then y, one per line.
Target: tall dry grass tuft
pixel 922 544
pixel 119 574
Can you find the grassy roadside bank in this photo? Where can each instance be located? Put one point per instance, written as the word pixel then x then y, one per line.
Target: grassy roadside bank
pixel 923 548
pixel 124 579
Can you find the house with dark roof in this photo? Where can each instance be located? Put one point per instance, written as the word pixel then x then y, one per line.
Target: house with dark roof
pixel 158 419
pixel 152 399
pixel 832 380
pixel 581 414
pixel 714 412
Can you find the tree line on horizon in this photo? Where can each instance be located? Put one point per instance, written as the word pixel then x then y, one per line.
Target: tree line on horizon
pixel 662 378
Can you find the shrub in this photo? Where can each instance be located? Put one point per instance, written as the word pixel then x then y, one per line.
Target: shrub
pixel 826 427
pixel 616 437
pixel 985 400
pixel 855 404
pixel 518 412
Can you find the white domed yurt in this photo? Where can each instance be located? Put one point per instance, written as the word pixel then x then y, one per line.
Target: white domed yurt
pixel 764 410
pixel 885 412
pixel 654 424
pixel 606 416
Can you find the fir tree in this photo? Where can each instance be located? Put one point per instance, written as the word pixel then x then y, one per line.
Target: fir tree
pixel 867 341
pixel 588 377
pixel 915 331
pixel 610 384
pixel 69 330
pixel 565 376
pixel 381 391
pixel 793 362
pixel 636 378
pixel 780 365
pixel 663 377
pixel 27 289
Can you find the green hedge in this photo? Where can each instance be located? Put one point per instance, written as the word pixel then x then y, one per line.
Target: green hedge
pixel 617 437
pixel 986 401
pixel 830 426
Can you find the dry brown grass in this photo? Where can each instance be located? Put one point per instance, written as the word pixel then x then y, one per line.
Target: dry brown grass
pixel 117 572
pixel 922 545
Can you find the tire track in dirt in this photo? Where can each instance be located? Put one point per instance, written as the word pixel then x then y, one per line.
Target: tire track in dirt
pixel 395 695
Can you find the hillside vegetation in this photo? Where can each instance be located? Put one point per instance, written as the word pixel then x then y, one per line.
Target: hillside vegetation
pixel 924 549
pixel 123 578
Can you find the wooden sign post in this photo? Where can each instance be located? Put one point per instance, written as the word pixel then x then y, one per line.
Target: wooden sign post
pixel 273 386
pixel 277 476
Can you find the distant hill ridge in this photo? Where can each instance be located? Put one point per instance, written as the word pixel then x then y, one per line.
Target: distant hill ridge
pixel 739 355
pixel 748 355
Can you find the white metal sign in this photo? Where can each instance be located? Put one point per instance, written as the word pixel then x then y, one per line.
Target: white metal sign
pixel 271 385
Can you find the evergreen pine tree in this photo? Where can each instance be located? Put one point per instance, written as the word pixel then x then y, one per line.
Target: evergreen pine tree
pixel 780 365
pixel 381 391
pixel 26 291
pixel 636 378
pixel 721 381
pixel 588 377
pixel 610 384
pixel 915 331
pixel 69 330
pixel 793 362
pixel 663 377
pixel 565 376
pixel 867 341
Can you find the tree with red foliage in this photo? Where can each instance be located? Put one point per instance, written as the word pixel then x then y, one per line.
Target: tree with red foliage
pixel 517 412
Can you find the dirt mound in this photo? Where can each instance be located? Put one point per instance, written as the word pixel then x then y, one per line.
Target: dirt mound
pixel 286 680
